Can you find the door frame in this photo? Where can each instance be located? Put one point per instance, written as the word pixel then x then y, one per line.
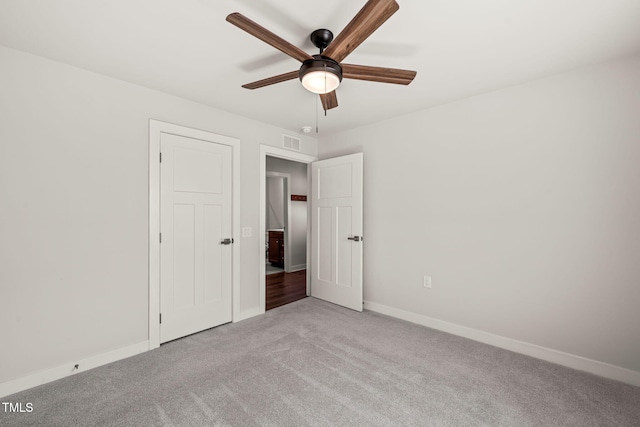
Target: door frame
pixel 156 128
pixel 281 153
pixel 287 219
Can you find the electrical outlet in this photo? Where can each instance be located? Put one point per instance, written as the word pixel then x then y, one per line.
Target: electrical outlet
pixel 427 282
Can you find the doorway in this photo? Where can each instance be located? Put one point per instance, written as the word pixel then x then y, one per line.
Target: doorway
pixel 337 253
pixel 157 132
pixel 296 247
pixel 286 231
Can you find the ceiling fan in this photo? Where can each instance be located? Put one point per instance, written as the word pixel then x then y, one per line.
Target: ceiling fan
pixel 323 73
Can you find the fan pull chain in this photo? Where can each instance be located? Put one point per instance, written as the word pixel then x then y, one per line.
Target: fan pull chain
pixel 319 97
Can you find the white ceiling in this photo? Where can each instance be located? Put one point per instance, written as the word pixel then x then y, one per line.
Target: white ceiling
pixel 186 48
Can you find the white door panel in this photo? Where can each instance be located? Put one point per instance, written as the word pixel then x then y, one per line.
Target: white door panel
pixel 195 216
pixel 344 269
pixel 336 255
pixel 197 171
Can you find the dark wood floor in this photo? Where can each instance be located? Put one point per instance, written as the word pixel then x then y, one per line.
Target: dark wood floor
pixel 283 288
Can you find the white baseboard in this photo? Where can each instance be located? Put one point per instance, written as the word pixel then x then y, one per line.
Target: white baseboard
pixel 298 267
pixel 550 355
pixel 48 375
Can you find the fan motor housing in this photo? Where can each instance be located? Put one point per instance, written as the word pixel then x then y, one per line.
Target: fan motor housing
pixel 320 63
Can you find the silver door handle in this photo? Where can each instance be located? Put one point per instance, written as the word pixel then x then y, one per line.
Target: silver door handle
pixel 226 241
pixel 355 238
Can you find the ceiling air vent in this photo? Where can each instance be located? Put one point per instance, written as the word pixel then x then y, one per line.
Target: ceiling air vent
pixel 291 142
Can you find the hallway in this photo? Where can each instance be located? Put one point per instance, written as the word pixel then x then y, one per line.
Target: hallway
pixel 284 288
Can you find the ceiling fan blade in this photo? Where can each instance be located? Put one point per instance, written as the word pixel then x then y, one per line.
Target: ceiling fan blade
pixel 267 36
pixel 272 80
pixel 378 74
pixel 371 16
pixel 329 100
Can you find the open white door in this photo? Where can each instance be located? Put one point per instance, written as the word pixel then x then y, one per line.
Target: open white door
pixel 336 236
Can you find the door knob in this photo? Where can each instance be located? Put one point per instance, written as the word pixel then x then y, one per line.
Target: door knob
pixel 355 238
pixel 226 241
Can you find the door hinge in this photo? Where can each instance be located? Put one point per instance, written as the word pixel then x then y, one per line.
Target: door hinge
pixel 160 157
pixel 160 237
pixel 160 317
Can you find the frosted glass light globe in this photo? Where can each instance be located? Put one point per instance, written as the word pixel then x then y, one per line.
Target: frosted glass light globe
pixel 320 81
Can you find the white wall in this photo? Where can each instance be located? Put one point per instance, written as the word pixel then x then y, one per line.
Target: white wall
pixel 298 213
pixel 74 213
pixel 522 204
pixel 275 203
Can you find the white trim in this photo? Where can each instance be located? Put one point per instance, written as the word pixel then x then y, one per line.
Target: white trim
pixel 68 369
pixel 550 355
pixel 268 150
pixel 157 127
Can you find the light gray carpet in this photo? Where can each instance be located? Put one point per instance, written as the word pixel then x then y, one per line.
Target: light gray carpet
pixel 313 363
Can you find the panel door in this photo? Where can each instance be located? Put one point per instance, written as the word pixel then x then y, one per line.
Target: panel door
pixel 336 224
pixel 195 218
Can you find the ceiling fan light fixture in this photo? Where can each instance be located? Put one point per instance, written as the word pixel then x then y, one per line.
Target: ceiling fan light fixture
pixel 320 82
pixel 320 75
